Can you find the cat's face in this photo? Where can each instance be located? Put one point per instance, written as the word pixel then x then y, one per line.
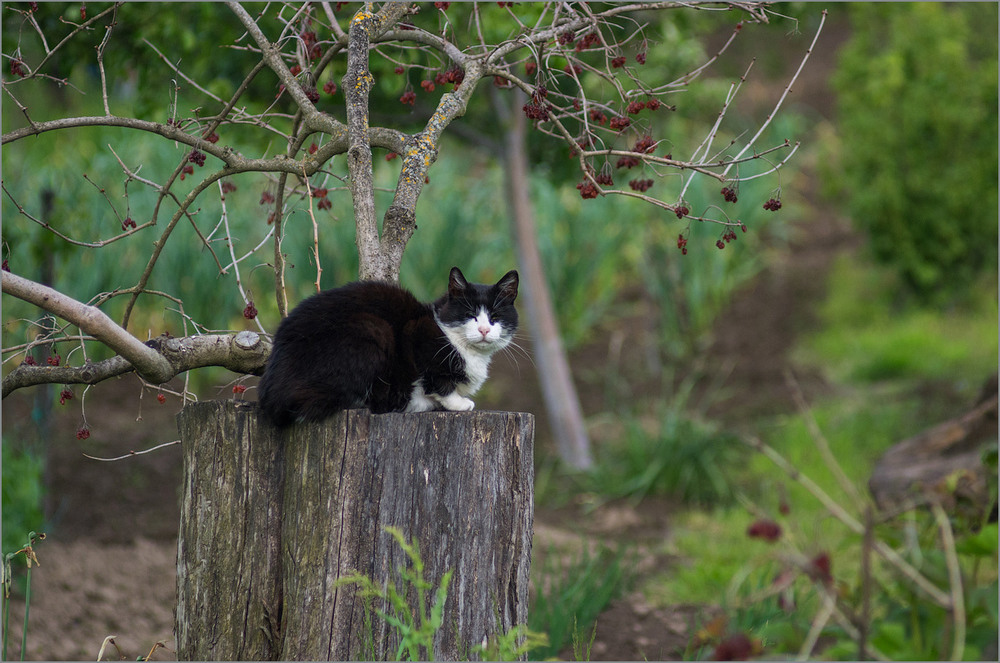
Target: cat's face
pixel 479 318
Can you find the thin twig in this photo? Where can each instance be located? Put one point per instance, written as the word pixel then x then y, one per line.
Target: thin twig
pixel 954 580
pixel 130 454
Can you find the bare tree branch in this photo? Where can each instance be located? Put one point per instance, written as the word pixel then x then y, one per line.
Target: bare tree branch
pixel 147 362
pixel 243 352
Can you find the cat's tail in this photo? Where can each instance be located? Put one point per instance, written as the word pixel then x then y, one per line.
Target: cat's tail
pixel 276 406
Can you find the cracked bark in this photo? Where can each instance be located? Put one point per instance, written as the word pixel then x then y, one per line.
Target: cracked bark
pixel 280 516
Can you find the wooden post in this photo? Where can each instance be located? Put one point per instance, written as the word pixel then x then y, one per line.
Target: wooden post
pixel 270 521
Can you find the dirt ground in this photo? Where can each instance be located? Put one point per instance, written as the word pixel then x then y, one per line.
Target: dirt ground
pixel 108 564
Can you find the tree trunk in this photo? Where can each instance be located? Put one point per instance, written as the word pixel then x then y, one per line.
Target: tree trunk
pixel 558 390
pixel 270 521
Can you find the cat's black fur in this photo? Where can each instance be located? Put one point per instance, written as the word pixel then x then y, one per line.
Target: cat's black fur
pixel 373 344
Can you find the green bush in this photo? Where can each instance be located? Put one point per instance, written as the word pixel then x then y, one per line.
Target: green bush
pixel 917 107
pixel 22 495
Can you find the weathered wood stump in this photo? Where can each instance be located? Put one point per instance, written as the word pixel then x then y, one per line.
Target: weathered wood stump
pixel 943 462
pixel 270 521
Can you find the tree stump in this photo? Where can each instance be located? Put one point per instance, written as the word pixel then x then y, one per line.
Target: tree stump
pixel 271 519
pixel 945 461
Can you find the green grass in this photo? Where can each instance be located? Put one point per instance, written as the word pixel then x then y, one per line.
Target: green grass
pixel 870 333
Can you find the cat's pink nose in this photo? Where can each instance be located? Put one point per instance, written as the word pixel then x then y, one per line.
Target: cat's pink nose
pixel 484 331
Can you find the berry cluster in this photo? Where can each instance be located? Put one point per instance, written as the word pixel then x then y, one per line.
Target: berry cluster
pixel 161 398
pixel 764 529
pixel 127 223
pixel 681 211
pixel 409 97
pixel 266 197
pixel 330 87
pixel 729 194
pixel 620 123
pixel 627 162
pixel 604 179
pixel 644 145
pixel 17 67
pixel 728 236
pixel 197 158
pixel 772 205
pixel 640 185
pixel 83 432
pixel 65 395
pixel 682 244
pixel 240 388
pixel 308 38
pixel 618 62
pixel 250 312
pixel 587 189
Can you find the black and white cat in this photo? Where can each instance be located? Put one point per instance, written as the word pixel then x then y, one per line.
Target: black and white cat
pixel 373 344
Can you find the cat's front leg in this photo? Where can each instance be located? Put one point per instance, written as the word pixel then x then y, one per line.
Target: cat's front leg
pixel 455 402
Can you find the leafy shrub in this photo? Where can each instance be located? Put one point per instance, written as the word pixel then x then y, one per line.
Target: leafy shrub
pixel 917 106
pixel 22 495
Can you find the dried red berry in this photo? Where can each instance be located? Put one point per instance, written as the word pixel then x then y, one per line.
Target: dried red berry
pixel 239 388
pixel 720 244
pixel 681 211
pixel 250 312
pixel 82 433
pixel 587 189
pixel 17 67
pixel 296 69
pixel 536 112
pixel 330 87
pixel 620 123
pixel 65 395
pixel 197 158
pixel 530 68
pixel 820 568
pixel 161 398
pixel 627 162
pixel 399 69
pixel 319 193
pixel 442 5
pixel 212 137
pixel 5 266
pixel 729 194
pixel 409 97
pixel 324 204
pixel 566 37
pixel 653 104
pixel 390 156
pixel 635 107
pixel 644 145
pixel 312 148
pixel 640 185
pixel 29 361
pixel 737 647
pixel 618 62
pixel 641 57
pixel 266 197
pixel 764 529
pixel 228 187
pixel 53 360
pixel 681 241
pixel 428 85
pixel 598 117
pixel 604 179
pixel 773 205
pixel 127 223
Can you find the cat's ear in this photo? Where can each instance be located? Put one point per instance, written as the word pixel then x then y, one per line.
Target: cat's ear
pixel 457 283
pixel 507 288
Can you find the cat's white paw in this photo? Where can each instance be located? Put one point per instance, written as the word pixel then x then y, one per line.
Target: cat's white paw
pixel 457 403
